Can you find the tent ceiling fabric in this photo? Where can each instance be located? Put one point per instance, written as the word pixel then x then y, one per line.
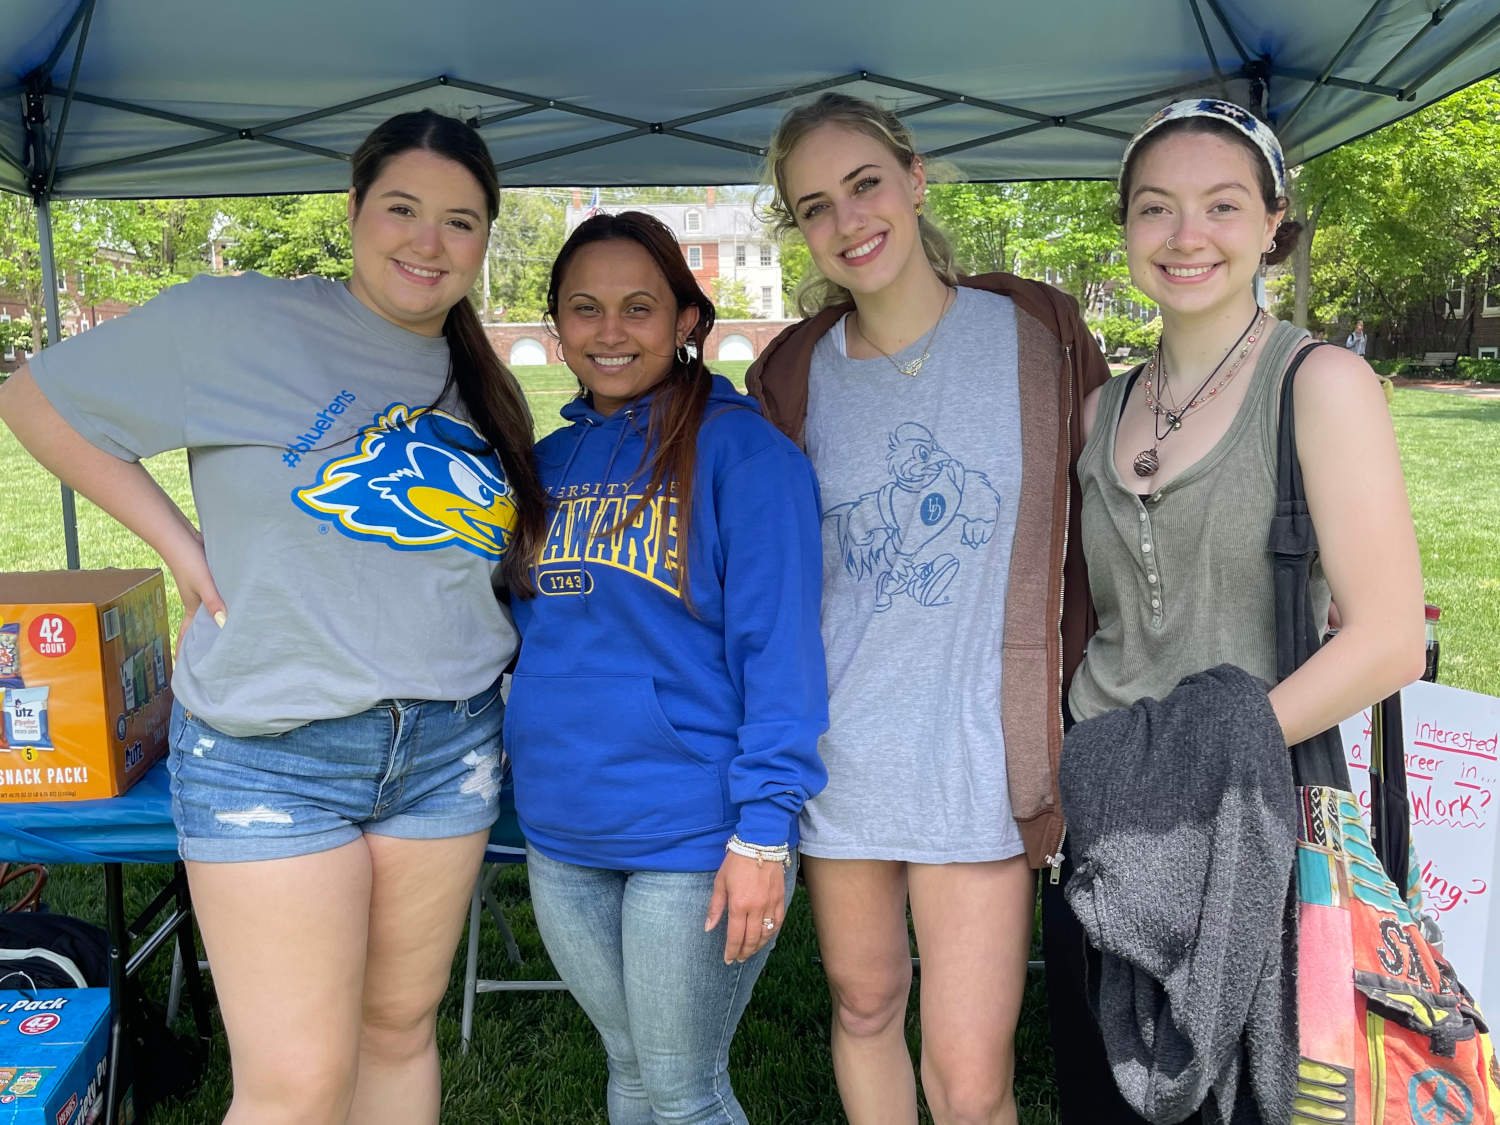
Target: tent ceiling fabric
pixel 182 97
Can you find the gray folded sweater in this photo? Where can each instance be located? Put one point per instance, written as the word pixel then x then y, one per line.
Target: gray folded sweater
pixel 1182 828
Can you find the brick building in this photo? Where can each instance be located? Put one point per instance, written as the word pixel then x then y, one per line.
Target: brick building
pixel 74 308
pixel 718 240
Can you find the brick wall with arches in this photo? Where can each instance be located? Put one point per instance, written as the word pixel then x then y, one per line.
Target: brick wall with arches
pixel 525 345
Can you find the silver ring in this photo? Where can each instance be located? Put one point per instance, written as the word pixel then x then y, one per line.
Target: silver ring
pixel 1172 242
pixel 768 923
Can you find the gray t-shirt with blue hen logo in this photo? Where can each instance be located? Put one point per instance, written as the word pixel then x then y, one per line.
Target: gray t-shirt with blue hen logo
pixel 354 533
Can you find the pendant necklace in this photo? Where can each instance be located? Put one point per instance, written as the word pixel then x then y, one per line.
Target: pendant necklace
pixel 912 366
pixel 1146 461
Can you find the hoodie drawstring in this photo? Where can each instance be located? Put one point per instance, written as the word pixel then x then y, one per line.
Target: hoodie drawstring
pixel 585 424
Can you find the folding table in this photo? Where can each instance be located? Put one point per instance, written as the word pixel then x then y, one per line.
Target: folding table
pixel 135 827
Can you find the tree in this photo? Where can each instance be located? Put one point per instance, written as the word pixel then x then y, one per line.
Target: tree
pixel 524 241
pixel 1398 218
pixel 796 262
pixel 731 299
pixel 21 260
pixel 983 221
pixel 1066 227
pixel 288 235
pixel 124 250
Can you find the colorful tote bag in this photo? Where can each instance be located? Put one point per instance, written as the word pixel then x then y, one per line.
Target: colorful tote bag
pixel 1388 1034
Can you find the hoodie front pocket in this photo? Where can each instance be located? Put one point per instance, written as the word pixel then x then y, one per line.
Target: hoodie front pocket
pixel 595 756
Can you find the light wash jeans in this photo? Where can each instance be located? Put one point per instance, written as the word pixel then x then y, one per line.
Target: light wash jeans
pixel 630 946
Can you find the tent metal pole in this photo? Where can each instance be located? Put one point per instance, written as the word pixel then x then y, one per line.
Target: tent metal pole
pixel 148 111
pixel 544 103
pixel 1286 122
pixel 767 99
pixel 62 121
pixel 344 107
pixel 1020 130
pixel 1229 30
pixel 962 99
pixel 1436 18
pixel 1155 97
pixel 1411 88
pixel 717 142
pixel 585 146
pixel 1292 75
pixel 54 334
pixel 155 154
pixel 505 115
pixel 312 150
pixel 1208 49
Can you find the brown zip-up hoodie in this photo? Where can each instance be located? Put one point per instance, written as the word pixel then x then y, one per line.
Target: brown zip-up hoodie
pixel 1048 615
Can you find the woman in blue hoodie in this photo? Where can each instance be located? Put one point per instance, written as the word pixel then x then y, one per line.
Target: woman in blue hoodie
pixel 664 717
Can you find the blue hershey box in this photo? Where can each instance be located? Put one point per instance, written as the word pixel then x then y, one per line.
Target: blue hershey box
pixel 53 1056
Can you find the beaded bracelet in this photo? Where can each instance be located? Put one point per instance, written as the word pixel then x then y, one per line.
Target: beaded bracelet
pixel 779 854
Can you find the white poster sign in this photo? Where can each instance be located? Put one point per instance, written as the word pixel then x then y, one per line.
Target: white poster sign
pixel 1452 742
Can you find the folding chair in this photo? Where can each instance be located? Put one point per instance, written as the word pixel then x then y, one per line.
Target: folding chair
pixel 506 845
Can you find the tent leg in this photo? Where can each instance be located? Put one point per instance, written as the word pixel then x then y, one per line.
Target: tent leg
pixel 54 334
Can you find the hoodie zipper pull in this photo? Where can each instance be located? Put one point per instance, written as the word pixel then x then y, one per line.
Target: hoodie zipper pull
pixel 1055 861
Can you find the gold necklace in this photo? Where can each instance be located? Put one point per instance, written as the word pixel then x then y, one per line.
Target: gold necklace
pixel 912 366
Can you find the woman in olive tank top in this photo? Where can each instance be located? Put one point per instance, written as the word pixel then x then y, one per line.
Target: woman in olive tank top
pixel 1178 477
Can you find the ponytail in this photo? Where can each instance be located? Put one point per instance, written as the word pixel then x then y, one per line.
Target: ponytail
pixel 497 406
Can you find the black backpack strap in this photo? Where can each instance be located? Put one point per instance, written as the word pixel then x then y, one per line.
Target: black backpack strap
pixel 1293 544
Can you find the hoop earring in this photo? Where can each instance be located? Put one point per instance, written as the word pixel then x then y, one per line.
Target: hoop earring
pixel 560 357
pixel 684 354
pixel 1271 249
pixel 1171 242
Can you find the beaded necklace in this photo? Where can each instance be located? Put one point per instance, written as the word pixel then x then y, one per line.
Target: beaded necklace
pixel 1147 462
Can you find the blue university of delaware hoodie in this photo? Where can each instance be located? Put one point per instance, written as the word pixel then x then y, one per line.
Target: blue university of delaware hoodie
pixel 642 733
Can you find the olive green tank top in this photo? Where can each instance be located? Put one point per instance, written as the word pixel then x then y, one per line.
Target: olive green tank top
pixel 1181 581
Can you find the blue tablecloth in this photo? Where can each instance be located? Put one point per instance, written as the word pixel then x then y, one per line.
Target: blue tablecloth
pixel 135 827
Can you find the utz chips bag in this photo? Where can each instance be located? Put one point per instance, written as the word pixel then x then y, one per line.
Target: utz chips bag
pixel 26 718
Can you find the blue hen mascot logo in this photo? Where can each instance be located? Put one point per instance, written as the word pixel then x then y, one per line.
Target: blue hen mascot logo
pixel 419 481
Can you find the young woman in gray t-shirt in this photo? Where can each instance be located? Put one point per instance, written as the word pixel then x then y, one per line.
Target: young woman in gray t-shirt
pixel 361 466
pixel 938 414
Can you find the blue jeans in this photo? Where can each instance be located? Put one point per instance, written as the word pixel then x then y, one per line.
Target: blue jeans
pixel 630 946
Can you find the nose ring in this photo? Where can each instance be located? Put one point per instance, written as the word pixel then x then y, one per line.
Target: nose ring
pixel 1172 242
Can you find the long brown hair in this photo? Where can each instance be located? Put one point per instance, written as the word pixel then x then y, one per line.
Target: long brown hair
pixel 857 115
pixel 489 392
pixel 680 398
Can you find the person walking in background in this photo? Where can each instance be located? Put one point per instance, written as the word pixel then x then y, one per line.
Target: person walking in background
pixel 941 417
pixel 1179 478
pixel 665 714
pixel 1356 341
pixel 361 465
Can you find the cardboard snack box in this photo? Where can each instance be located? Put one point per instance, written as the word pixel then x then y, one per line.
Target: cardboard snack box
pixel 85 669
pixel 54 1047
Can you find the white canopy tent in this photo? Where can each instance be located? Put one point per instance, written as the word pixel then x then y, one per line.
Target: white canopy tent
pixel 142 98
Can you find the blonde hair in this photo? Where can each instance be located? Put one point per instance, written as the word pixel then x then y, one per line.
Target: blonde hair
pixel 816 292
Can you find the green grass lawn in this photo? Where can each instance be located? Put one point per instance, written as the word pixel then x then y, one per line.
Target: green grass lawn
pixel 535 1058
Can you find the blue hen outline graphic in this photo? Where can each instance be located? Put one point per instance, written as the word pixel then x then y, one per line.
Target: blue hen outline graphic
pixel 890 533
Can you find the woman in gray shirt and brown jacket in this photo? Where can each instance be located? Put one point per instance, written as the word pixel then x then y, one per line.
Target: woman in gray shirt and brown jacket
pixel 942 417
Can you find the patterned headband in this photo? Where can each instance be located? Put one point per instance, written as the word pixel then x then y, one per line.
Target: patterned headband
pixel 1255 130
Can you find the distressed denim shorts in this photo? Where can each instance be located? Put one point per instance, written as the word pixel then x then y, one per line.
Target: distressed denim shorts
pixel 417 769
